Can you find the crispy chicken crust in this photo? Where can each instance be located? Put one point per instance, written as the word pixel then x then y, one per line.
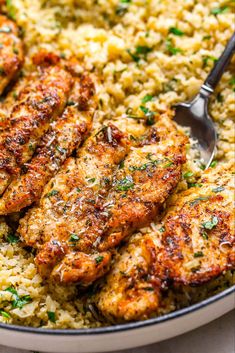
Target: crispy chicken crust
pixel 193 244
pixel 105 195
pixel 11 51
pixel 65 224
pixel 65 134
pixel 39 103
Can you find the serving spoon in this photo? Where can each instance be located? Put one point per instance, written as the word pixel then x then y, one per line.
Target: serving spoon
pixel 194 114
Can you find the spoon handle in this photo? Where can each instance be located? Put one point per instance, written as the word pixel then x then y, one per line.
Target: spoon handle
pixel 220 66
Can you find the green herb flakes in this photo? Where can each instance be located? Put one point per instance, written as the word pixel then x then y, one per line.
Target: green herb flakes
pixel 198 199
pixel 188 175
pixel 147 98
pixel 171 49
pixel 51 316
pixel 12 238
pixel 176 31
pixel 5 314
pixel 213 164
pixel 207 58
pixel 122 8
pixel 219 10
pixel 99 259
pixel 125 184
pixel 18 301
pixel 74 237
pixel 149 115
pixel 218 189
pixel 198 254
pixel 52 193
pixel 210 224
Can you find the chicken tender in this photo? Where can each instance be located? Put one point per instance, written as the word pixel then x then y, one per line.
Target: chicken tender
pixel 66 134
pixel 193 244
pixel 41 101
pixel 69 217
pixel 148 176
pixel 11 51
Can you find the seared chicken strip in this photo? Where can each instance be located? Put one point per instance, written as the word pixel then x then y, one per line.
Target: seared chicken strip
pixel 41 101
pixel 148 176
pixel 193 244
pixel 11 51
pixel 65 135
pixel 69 217
pixel 132 196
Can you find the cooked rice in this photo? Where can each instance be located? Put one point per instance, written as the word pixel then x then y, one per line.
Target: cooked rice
pixel 105 36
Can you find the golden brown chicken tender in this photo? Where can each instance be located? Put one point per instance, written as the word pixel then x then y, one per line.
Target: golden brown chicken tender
pixel 11 51
pixel 193 244
pixel 63 137
pixel 69 217
pixel 38 104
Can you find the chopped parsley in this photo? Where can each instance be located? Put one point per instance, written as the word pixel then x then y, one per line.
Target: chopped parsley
pixel 61 150
pixel 122 8
pixel 78 189
pixel 210 224
pixel 18 302
pixel 207 58
pixel 125 184
pixel 162 229
pixel 12 238
pixel 219 10
pixel 141 52
pixel 196 185
pixel 188 175
pixel 121 164
pixel 176 31
pixel 198 199
pixel 213 164
pixel 206 37
pixel 232 83
pixel 5 314
pixel 52 193
pixel 70 103
pixel 149 289
pixel 91 180
pixel 10 9
pixel 99 259
pixel 74 237
pixel 220 97
pixel 169 164
pixel 205 235
pixel 149 115
pixel 218 189
pixel 198 254
pixel 171 49
pixel 147 98
pixel 51 316
pixel 144 166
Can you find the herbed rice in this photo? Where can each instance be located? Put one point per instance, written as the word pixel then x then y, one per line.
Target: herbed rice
pixel 107 36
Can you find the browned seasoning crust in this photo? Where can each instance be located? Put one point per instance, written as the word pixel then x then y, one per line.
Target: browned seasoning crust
pixel 69 216
pixel 193 244
pixel 38 104
pixel 93 192
pixel 11 51
pixel 64 136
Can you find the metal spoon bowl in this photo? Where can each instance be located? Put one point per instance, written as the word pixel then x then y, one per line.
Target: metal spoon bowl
pixel 195 114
